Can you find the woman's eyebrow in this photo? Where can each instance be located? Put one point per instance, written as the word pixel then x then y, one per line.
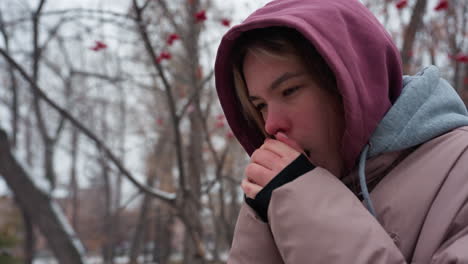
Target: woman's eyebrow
pixel 276 83
pixel 286 76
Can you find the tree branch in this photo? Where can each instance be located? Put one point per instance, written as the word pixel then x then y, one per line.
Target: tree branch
pixel 167 197
pixel 170 97
pixel 195 94
pixel 170 16
pixel 72 10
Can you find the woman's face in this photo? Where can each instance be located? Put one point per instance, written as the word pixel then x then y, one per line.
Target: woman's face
pixel 290 101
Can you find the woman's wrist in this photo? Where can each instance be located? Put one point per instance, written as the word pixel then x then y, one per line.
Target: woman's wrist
pixel 260 203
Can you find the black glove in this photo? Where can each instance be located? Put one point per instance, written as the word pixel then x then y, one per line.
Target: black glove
pixel 298 167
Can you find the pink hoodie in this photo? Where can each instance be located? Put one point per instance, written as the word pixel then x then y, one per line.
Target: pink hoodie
pixel 357 48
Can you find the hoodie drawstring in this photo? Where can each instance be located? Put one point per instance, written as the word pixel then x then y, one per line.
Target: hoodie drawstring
pixel 363 182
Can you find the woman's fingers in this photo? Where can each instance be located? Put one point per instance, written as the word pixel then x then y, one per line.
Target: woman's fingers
pixel 250 189
pixel 267 162
pixel 267 159
pixel 258 174
pixel 280 136
pixel 284 150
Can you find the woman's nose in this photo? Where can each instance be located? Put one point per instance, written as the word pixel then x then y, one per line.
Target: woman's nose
pixel 276 120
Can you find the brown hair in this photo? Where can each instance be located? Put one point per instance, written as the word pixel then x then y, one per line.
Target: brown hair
pixel 277 42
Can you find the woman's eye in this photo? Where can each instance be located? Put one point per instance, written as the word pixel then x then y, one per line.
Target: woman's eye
pixel 260 107
pixel 290 91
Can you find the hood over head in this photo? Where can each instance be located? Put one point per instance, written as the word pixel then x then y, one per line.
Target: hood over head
pixel 357 48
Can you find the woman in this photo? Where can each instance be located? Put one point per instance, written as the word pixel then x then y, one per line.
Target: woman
pixel 350 161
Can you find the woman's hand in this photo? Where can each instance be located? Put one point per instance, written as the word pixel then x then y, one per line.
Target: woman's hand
pixel 267 162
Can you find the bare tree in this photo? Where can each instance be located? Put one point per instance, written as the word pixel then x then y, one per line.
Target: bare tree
pixel 45 213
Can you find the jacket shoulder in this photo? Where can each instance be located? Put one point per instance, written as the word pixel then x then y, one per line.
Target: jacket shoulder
pixel 447 216
pixel 456 139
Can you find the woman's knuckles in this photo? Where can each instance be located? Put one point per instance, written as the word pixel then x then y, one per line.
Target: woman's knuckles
pixel 265 164
pixel 251 172
pixel 257 174
pixel 250 189
pixel 245 186
pixel 264 156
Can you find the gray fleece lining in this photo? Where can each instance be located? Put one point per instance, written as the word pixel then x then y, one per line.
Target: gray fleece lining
pixel 427 107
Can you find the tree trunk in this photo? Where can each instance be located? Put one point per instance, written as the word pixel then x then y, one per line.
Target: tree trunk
pixel 29 236
pixel 28 142
pixel 410 34
pixel 137 240
pixel 153 163
pixel 73 179
pixel 164 215
pixel 192 203
pixel 107 248
pixel 14 89
pixel 163 234
pixel 49 169
pixel 38 205
pixel 115 235
pixel 452 18
pixel 108 223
